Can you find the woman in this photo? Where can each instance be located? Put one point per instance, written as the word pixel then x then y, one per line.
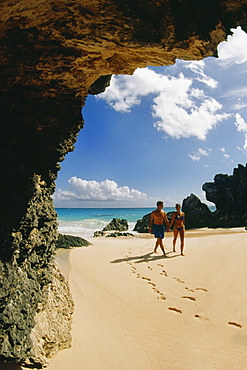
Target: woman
pixel 178 219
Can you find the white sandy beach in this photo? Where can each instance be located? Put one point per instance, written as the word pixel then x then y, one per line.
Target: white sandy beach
pixel 136 311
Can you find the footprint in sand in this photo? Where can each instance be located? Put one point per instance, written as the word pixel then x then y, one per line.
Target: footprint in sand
pixel 174 309
pixel 164 273
pixel 133 270
pixel 156 290
pixel 158 264
pixel 178 280
pixel 234 324
pixel 149 267
pixel 201 318
pixel 145 278
pixel 189 290
pixel 190 298
pixel 151 283
pixel 160 296
pixel 203 289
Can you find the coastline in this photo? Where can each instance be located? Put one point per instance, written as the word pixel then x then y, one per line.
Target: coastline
pixel 136 310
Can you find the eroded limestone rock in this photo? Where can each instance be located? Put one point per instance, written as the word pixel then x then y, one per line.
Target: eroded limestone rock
pixel 51 54
pixel 117 224
pixel 229 194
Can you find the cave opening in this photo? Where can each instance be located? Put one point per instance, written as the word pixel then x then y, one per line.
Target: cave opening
pixel 48 66
pixel 159 134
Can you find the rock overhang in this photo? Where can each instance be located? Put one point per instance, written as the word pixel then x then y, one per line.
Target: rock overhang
pixel 52 54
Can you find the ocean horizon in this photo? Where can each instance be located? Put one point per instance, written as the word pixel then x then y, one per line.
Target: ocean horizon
pixel 84 222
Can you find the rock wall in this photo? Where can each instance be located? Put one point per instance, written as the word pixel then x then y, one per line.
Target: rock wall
pixel 229 194
pixel 197 214
pixel 52 54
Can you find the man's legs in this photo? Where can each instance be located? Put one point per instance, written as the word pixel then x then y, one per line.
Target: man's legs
pixel 159 242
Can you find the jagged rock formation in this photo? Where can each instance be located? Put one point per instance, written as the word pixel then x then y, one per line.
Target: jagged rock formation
pixel 141 225
pixel 52 54
pixel 117 224
pixel 197 214
pixel 50 333
pixel 70 241
pixel 99 233
pixel 117 234
pixel 229 194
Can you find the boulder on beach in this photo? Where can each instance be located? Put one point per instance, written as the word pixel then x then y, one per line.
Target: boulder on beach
pixel 197 214
pixel 117 234
pixel 117 224
pixel 70 241
pixel 141 226
pixel 98 233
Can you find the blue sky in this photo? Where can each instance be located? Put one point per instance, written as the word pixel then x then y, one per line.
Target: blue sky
pixel 160 133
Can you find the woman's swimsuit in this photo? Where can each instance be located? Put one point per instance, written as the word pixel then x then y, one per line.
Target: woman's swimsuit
pixel 179 218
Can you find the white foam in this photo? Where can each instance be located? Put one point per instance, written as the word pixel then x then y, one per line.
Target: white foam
pixel 85 228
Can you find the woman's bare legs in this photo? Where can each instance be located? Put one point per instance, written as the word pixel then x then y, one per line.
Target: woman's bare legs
pixel 181 233
pixel 175 235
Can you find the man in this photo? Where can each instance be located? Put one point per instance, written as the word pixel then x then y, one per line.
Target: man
pixel 156 223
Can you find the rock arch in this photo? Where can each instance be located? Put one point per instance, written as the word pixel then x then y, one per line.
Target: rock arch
pixel 52 54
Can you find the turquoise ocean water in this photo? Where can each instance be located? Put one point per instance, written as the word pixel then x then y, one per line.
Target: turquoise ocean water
pixel 85 221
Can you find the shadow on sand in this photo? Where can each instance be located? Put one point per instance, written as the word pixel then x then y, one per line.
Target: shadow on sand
pixel 9 366
pixel 145 258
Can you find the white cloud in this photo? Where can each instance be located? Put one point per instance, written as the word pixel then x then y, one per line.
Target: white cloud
pixel 204 152
pixel 225 155
pixel 179 117
pixel 180 109
pixel 106 190
pixel 242 127
pixel 198 68
pixel 196 157
pixel 239 92
pixel 241 105
pixel 234 50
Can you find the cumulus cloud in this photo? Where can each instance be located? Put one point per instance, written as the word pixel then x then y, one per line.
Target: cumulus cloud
pixel 106 190
pixel 196 157
pixel 234 50
pixel 242 127
pixel 179 108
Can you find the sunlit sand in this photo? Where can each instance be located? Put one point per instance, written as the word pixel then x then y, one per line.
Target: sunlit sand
pixel 138 310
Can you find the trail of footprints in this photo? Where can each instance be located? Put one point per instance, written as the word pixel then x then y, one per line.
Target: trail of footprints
pixel 161 296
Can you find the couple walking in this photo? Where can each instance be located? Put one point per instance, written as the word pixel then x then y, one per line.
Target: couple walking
pixel 157 222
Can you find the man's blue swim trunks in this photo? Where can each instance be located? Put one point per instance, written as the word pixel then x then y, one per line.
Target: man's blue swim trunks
pixel 159 231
